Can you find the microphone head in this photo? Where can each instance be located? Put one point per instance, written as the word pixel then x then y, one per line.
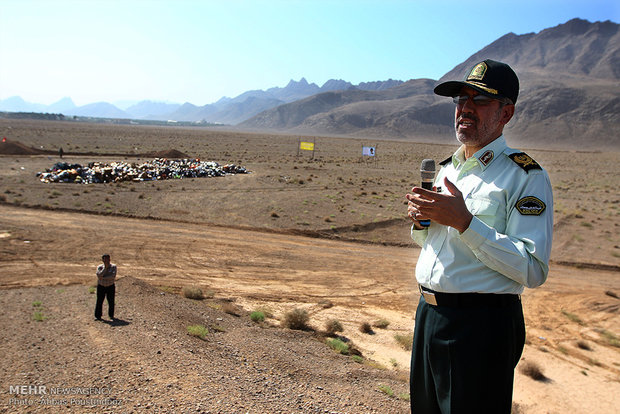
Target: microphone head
pixel 427 165
pixel 427 169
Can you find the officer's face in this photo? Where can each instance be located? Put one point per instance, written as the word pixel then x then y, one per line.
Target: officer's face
pixel 477 124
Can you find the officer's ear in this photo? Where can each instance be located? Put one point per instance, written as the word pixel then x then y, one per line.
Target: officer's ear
pixel 508 111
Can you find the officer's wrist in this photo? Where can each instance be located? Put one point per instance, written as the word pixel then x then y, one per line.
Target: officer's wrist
pixel 464 224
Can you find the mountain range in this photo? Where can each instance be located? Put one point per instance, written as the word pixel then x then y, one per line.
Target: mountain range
pixel 570 95
pixel 229 111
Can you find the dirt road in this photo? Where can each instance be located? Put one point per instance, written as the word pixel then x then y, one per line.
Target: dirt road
pixel 42 247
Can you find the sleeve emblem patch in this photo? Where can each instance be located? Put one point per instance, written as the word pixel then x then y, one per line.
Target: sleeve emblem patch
pixel 530 206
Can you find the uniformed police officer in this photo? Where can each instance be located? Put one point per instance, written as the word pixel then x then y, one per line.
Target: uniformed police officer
pixel 491 215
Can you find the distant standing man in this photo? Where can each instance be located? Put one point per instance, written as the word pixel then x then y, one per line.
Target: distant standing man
pixel 491 215
pixel 106 275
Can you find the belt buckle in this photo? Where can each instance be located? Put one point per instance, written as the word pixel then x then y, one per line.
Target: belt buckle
pixel 429 298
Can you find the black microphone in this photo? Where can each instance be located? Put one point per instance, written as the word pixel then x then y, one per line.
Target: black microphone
pixel 427 171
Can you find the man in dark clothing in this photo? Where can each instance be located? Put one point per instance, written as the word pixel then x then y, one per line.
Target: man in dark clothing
pixel 106 275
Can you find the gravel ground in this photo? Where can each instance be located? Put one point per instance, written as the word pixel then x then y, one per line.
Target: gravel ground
pixel 145 361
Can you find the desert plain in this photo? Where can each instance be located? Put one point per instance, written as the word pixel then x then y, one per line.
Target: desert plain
pixel 323 231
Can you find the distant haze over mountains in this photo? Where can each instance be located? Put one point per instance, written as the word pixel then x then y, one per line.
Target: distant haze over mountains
pixel 229 111
pixel 570 95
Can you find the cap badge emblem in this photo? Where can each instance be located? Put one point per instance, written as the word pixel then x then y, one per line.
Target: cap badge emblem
pixel 477 73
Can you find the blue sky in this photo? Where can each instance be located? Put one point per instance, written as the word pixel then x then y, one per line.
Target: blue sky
pixel 198 51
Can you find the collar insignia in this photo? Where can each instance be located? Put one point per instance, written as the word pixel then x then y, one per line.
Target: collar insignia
pixel 486 158
pixel 530 206
pixel 525 161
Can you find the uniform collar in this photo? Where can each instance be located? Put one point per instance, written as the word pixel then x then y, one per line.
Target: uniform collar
pixel 484 157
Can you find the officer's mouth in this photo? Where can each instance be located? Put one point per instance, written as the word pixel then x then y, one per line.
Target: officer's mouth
pixel 466 123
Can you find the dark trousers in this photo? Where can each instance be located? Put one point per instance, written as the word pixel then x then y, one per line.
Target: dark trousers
pixel 102 293
pixel 463 359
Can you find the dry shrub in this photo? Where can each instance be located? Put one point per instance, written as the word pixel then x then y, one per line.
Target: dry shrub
pixel 332 326
pixel 612 294
pixel 406 341
pixel 533 370
pixel 366 328
pixel 296 319
pixel 192 292
pixel 231 309
pixel 584 345
pixel 209 294
pixel 381 324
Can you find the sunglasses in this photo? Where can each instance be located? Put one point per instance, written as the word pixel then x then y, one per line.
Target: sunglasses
pixel 478 100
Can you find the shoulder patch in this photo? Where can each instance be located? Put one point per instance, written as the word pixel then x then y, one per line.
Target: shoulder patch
pixel 530 206
pixel 525 161
pixel 447 160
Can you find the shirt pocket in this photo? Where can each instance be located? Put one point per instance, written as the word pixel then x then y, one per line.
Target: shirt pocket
pixel 484 208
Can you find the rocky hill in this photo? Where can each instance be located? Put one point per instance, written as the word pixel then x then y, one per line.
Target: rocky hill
pixel 233 111
pixel 570 95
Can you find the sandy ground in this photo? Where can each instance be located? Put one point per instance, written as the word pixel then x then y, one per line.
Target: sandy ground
pixel 364 282
pixel 223 236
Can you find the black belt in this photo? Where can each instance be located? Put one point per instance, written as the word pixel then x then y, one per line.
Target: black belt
pixel 468 300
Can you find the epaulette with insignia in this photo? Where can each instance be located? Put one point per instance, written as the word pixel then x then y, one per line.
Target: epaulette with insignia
pixel 447 160
pixel 525 161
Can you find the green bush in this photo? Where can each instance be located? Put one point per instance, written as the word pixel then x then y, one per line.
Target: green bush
pixel 38 316
pixel 198 330
pixel 338 345
pixel 387 390
pixel 257 316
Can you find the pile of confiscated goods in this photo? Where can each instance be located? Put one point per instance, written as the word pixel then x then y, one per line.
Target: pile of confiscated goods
pixel 157 169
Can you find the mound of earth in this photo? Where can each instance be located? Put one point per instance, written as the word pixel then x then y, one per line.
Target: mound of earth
pixel 169 153
pixel 8 147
